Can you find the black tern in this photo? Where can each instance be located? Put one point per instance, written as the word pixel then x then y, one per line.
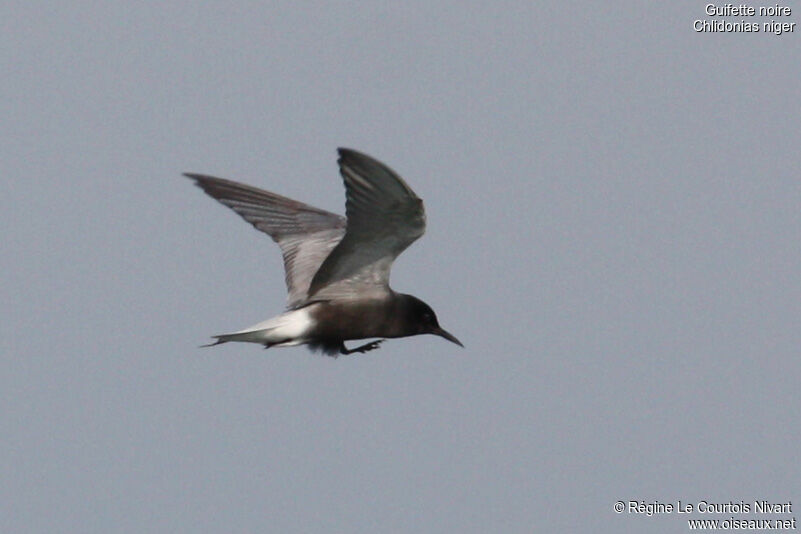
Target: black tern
pixel 337 268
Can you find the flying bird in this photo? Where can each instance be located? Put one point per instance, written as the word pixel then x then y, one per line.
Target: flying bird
pixel 337 268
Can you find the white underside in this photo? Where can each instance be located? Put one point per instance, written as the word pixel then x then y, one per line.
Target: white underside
pixel 285 330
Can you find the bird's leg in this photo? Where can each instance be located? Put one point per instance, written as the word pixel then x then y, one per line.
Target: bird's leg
pixel 363 348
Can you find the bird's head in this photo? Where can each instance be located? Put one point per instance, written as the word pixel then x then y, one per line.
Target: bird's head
pixel 422 319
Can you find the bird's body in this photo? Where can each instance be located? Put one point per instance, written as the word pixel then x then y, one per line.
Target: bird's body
pixel 337 269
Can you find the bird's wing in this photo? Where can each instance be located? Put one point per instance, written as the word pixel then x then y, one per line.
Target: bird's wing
pixel 305 234
pixel 384 217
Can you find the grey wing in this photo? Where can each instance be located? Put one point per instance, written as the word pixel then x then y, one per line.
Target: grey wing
pixel 384 217
pixel 306 235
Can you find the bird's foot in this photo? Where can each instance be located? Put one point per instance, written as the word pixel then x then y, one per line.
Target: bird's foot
pixel 363 348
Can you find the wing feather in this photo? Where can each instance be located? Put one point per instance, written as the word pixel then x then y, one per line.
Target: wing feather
pixel 305 234
pixel 384 217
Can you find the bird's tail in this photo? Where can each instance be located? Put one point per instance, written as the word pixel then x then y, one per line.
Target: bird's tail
pixel 253 337
pixel 289 328
pixel 220 341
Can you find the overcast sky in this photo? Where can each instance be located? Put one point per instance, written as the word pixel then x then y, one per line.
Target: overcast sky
pixel 614 219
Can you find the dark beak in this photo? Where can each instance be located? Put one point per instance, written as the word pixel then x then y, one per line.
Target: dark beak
pixel 442 333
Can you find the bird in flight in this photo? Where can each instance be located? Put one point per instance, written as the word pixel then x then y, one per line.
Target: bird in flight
pixel 337 268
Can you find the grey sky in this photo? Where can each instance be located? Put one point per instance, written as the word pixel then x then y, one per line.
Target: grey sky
pixel 613 232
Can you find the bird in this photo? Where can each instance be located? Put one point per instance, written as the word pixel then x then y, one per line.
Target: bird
pixel 336 268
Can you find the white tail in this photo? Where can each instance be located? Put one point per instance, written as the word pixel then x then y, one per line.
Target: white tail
pixel 290 328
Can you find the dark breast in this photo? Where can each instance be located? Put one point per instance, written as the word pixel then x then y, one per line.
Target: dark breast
pixel 343 320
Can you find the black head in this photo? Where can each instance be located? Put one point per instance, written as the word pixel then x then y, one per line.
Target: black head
pixel 421 319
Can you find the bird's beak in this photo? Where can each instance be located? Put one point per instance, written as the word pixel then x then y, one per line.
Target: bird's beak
pixel 443 333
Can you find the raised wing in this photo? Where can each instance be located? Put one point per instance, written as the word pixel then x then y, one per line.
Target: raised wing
pixel 306 235
pixel 384 218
